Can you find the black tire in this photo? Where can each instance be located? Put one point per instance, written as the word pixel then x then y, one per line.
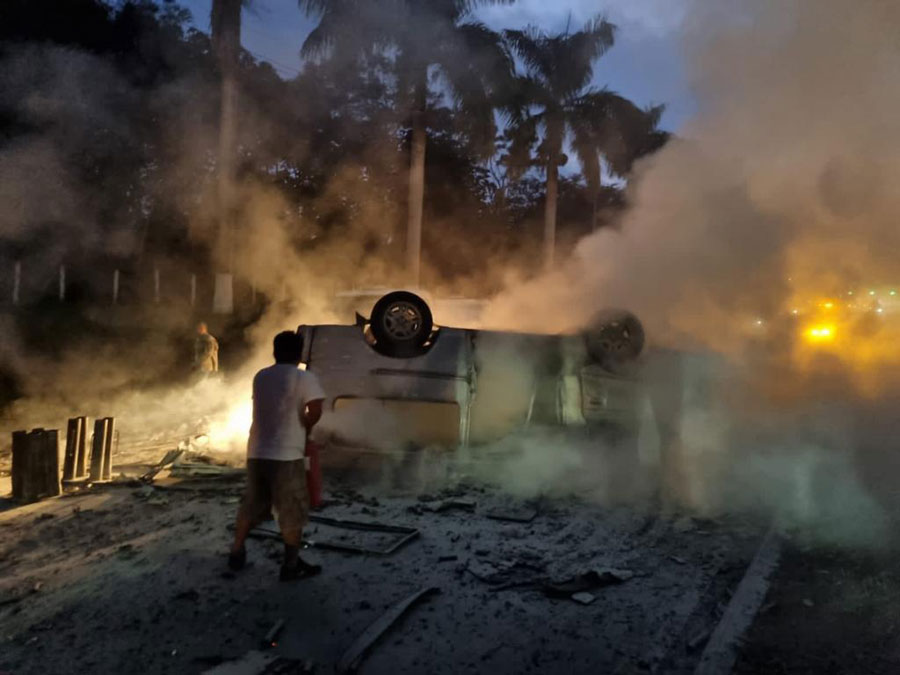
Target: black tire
pixel 401 324
pixel 615 339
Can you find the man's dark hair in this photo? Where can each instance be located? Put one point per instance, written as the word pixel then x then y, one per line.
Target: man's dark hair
pixel 288 347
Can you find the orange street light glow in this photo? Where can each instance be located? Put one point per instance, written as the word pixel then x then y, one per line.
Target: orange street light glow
pixel 820 333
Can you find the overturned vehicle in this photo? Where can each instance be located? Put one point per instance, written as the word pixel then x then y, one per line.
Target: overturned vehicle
pixel 397 377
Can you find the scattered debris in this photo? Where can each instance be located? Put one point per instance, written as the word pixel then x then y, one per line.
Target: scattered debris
pixel 14 599
pixel 678 559
pixel 504 575
pixel 584 598
pixel 269 530
pixel 352 658
pixel 126 551
pixel 684 524
pixel 808 603
pixel 191 594
pixel 523 514
pixel 261 663
pixel 456 504
pixel 166 461
pixel 270 640
pixel 190 468
pixel 143 492
pixel 699 640
pixel 587 581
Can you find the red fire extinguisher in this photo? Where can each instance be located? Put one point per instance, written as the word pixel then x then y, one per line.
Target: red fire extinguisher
pixel 313 474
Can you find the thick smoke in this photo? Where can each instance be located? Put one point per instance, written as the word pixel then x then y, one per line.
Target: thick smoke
pixel 778 192
pixel 782 183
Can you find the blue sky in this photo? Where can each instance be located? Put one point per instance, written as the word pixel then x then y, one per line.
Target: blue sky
pixel 646 64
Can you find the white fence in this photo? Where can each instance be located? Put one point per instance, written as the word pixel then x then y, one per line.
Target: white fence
pixel 218 292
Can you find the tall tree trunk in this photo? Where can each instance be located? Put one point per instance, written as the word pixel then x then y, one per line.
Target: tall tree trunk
pixel 553 142
pixel 594 209
pixel 226 177
pixel 416 183
pixel 550 211
pixel 225 20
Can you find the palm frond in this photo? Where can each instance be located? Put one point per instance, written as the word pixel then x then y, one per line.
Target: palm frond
pixel 313 7
pixel 616 127
pixel 530 45
pixel 520 139
pixel 585 147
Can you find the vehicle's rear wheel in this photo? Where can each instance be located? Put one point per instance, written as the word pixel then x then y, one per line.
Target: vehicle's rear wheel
pixel 614 339
pixel 401 323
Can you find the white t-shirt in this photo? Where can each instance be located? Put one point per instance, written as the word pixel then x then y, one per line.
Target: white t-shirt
pixel 280 395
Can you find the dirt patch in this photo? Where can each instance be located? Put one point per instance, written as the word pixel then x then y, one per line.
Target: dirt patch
pixel 828 611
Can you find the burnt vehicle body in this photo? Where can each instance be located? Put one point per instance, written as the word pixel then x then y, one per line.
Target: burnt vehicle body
pixel 396 373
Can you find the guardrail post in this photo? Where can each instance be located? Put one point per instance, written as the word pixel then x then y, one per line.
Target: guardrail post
pixel 76 446
pixel 35 471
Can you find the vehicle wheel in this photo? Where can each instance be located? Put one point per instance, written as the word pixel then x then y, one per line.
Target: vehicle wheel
pixel 615 339
pixel 401 323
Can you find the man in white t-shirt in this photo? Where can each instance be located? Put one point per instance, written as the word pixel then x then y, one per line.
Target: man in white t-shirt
pixel 287 403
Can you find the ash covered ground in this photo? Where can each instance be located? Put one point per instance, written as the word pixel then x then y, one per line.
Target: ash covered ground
pixel 133 580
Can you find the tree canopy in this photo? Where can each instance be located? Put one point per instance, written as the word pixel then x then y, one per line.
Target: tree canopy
pixel 117 109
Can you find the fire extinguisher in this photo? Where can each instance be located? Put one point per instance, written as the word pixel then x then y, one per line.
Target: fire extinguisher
pixel 313 473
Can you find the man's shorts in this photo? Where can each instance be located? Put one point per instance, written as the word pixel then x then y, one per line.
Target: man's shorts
pixel 282 485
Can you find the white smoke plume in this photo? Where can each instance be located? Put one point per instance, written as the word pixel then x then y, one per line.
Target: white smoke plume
pixel 782 183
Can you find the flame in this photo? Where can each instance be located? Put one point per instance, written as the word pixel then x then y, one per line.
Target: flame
pixel 233 428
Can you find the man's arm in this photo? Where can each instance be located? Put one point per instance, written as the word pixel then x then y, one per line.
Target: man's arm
pixel 313 395
pixel 312 414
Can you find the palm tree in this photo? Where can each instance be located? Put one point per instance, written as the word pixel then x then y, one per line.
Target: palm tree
pixel 225 23
pixel 427 38
pixel 615 133
pixel 558 104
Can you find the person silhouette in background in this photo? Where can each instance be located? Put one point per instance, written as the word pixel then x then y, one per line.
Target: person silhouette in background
pixel 206 352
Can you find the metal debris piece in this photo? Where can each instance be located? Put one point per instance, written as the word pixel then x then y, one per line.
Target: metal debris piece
pixel 352 658
pixel 583 598
pixel 699 640
pixel 269 530
pixel 507 574
pixel 261 663
pixel 270 639
pixel 456 504
pixel 684 524
pixel 167 460
pixel 182 468
pixel 515 515
pixel 587 581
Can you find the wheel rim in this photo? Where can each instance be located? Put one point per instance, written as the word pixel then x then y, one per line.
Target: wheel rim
pixel 402 320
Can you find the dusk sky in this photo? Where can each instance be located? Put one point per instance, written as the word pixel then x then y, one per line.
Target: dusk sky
pixel 646 64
